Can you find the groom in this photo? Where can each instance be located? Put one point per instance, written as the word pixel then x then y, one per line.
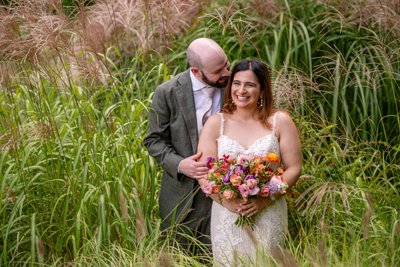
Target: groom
pixel 179 108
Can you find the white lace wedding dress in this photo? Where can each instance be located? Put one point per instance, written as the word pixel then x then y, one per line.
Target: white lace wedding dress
pixel 229 242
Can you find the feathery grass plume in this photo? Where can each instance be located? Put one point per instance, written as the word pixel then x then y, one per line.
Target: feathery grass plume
pixel 266 9
pixel 135 26
pixel 8 33
pixel 370 202
pixel 324 227
pixel 397 230
pixel 381 13
pixel 322 252
pixel 11 195
pixel 368 214
pixel 39 28
pixel 366 223
pixel 40 249
pixel 235 22
pixel 290 89
pixel 165 259
pixel 141 229
pixel 123 205
pixel 323 196
pixel 283 257
pixel 8 70
pixel 41 130
pixel 10 139
pixel 312 257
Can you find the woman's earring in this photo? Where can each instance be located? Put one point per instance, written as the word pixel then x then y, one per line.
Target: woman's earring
pixel 260 102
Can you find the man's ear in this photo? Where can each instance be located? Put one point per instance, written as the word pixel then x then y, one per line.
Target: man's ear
pixel 195 71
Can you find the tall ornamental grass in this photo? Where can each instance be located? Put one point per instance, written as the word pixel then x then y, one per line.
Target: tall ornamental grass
pixel 79 188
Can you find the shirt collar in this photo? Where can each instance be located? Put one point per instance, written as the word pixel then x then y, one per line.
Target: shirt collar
pixel 196 83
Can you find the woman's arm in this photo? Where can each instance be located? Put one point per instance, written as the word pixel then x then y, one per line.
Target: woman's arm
pixel 290 148
pixel 208 138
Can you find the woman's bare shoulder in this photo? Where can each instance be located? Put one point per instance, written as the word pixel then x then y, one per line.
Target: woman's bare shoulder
pixel 213 124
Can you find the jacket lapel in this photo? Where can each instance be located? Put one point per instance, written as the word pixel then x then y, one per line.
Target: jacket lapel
pixel 184 94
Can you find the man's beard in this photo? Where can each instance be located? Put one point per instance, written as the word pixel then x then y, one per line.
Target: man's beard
pixel 220 83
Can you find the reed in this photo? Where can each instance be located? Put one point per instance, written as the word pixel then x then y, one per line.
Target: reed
pixel 78 187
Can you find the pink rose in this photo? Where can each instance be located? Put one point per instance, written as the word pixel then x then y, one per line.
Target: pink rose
pixel 264 191
pixel 228 194
pixel 242 159
pixel 251 183
pixel 276 179
pixel 254 191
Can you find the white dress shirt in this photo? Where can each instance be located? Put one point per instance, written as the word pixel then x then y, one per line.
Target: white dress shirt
pixel 200 99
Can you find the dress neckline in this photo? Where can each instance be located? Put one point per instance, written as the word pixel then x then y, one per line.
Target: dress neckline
pixel 253 144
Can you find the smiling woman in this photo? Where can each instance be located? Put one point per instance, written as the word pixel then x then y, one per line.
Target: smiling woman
pixel 245 90
pixel 249 127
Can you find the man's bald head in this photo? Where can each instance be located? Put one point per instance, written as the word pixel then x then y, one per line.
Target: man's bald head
pixel 208 62
pixel 203 50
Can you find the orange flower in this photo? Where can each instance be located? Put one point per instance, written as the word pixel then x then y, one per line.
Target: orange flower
pixel 257 160
pixel 235 179
pixel 272 157
pixel 280 170
pixel 215 189
pixel 218 175
pixel 260 168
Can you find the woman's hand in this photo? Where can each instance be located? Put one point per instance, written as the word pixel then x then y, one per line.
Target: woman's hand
pixel 233 205
pixel 254 206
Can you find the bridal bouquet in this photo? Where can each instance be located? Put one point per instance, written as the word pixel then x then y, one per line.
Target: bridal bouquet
pixel 243 177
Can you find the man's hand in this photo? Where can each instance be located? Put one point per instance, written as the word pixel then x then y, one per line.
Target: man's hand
pixel 192 168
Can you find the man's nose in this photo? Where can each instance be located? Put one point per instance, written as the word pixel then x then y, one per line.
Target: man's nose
pixel 226 73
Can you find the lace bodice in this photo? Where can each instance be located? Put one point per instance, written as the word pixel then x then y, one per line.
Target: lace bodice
pixel 263 145
pixel 228 239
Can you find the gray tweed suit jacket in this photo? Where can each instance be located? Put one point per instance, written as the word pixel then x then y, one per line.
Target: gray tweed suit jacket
pixel 172 136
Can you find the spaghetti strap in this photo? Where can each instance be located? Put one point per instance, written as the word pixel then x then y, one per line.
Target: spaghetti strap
pixel 221 130
pixel 274 122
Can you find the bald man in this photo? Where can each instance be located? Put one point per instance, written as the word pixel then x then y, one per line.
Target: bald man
pixel 176 118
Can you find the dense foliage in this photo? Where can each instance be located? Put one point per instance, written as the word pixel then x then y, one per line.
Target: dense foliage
pixel 78 186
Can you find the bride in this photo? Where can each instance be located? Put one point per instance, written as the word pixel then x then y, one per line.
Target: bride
pixel 249 125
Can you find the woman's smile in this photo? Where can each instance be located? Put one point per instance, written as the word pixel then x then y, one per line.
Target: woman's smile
pixel 245 88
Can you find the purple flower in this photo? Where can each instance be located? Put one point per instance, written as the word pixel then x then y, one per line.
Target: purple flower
pixel 227 178
pixel 250 176
pixel 238 170
pixel 245 168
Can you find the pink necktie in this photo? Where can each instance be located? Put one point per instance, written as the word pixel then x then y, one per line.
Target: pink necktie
pixel 209 93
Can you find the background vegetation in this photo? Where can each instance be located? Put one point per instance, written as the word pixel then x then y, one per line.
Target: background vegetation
pixel 77 185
